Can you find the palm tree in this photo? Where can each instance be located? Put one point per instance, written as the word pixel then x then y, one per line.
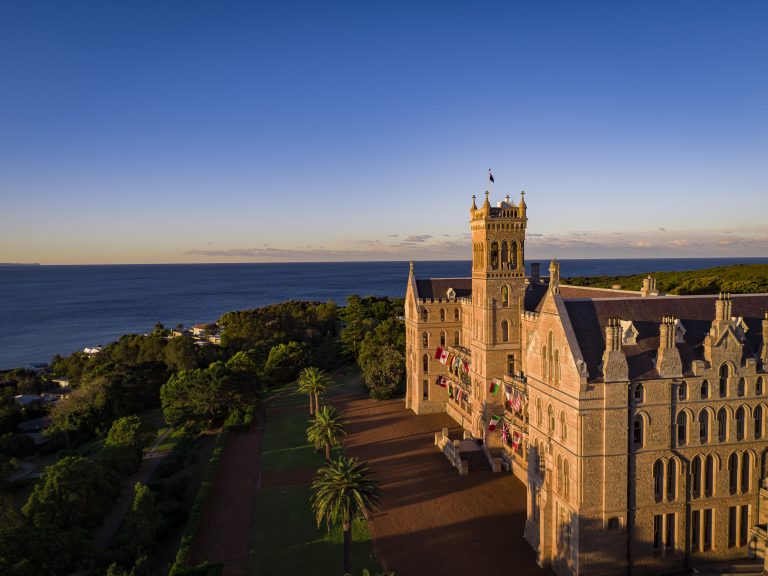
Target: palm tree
pixel 343 491
pixel 314 382
pixel 326 429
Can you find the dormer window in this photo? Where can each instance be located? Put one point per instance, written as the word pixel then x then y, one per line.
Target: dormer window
pixel 451 293
pixel 629 333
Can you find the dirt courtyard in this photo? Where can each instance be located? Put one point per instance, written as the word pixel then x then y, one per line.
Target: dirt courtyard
pixel 432 520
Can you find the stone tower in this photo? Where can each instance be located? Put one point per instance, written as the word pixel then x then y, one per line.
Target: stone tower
pixel 498 289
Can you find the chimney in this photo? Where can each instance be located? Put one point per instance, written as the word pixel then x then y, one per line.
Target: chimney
pixel 649 287
pixel 764 355
pixel 615 368
pixel 668 362
pixel 535 272
pixel 723 307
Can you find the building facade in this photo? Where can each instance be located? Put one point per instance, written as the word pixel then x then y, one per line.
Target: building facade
pixel 636 420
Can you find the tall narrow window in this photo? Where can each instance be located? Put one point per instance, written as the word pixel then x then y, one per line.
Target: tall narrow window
pixel 425 363
pixel 559 474
pixel 557 367
pixel 671 480
pixel 657 532
pixel 442 314
pixel 551 418
pixel 682 425
pixel 425 388
pixel 741 387
pixel 722 419
pixel 425 339
pixel 538 411
pixel 515 256
pixel 494 259
pixel 638 393
pixel 658 480
pixel 759 386
pixel 670 535
pixel 731 526
pixel 709 475
pixel 757 416
pixel 544 372
pixel 637 431
pixel 682 391
pixel 703 427
pixel 744 524
pixel 708 529
pixel 733 473
pixel 442 338
pixel 725 374
pixel 505 296
pixel 695 529
pixel 424 314
pixel 704 391
pixel 504 255
pixel 696 477
pixel 504 331
pixel 456 338
pixel 746 472
pixel 563 426
pixel 739 417
pixel 510 364
pixel 566 479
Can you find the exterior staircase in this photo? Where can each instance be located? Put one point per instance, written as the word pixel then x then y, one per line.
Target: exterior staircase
pixel 474 456
pixel 743 567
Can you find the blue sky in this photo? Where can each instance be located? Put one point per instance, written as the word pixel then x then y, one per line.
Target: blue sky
pixel 258 131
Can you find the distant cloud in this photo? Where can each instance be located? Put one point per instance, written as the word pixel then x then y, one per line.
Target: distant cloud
pixel 662 229
pixel 416 238
pixel 679 242
pixel 640 244
pixel 393 235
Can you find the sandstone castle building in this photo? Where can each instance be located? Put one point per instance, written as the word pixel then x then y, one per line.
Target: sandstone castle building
pixel 636 420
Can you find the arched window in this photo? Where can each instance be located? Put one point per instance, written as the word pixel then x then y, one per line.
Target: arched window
pixel 505 295
pixel 424 314
pixel 504 331
pixel 550 348
pixel 563 426
pixel 456 338
pixel 705 390
pixel 544 362
pixel 566 479
pixel 696 477
pixel 442 338
pixel 682 428
pixel 559 474
pixel 638 393
pixel 658 480
pixel 456 314
pixel 557 367
pixel 725 374
pixel 722 419
pixel 741 387
pixel 504 254
pixel 703 427
pixel 733 473
pixel 551 418
pixel 671 480
pixel 682 391
pixel 637 431
pixel 538 411
pixel 442 314
pixel 514 257
pixel 494 257
pixel 746 472
pixel 425 339
pixel 757 416
pixel 709 475
pixel 425 363
pixel 759 386
pixel 740 417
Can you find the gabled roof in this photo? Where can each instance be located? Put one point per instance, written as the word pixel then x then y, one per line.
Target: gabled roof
pixel 589 317
pixel 429 288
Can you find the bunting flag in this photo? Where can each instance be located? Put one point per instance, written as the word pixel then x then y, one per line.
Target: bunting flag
pixel 465 365
pixel 508 394
pixel 492 422
pixel 443 382
pixel 515 440
pixel 504 432
pixel 517 402
pixel 494 387
pixel 450 392
pixel 438 353
pixel 449 359
pixel 443 356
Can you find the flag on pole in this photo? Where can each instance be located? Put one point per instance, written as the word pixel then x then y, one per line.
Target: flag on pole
pixel 490 176
pixel 492 422
pixel 504 433
pixel 515 440
pixel 443 356
pixel 438 353
pixel 494 386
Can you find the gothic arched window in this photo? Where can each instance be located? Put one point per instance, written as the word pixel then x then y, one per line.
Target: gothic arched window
pixel 504 331
pixel 494 256
pixel 425 339
pixel 722 420
pixel 505 295
pixel 757 417
pixel 425 363
pixel 725 374
pixel 456 338
pixel 740 417
pixel 658 480
pixel 442 338
pixel 682 426
pixel 703 427
pixel 671 479
pixel 504 255
pixel 704 390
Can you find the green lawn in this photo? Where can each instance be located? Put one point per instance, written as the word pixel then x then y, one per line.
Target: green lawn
pixel 287 541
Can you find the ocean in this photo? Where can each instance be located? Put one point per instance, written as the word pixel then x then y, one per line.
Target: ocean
pixel 47 310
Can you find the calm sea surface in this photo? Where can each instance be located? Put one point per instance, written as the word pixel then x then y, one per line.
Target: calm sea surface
pixel 45 310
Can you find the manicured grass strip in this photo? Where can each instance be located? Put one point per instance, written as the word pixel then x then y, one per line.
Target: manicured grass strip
pixel 285 443
pixel 287 541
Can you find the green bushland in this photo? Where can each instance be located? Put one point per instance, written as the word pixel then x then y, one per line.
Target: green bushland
pixel 736 279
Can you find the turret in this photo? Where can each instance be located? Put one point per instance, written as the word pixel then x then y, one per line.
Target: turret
pixel 523 206
pixel 615 368
pixel 668 362
pixel 554 276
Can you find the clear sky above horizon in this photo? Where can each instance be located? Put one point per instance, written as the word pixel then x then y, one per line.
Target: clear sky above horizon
pixel 187 131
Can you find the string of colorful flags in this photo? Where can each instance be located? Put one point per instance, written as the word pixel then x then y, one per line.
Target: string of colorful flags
pixel 517 436
pixel 451 360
